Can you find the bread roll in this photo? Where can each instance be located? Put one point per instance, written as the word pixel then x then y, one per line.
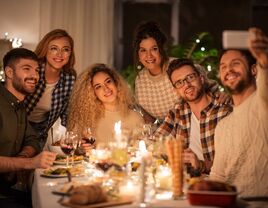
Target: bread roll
pixel 87 194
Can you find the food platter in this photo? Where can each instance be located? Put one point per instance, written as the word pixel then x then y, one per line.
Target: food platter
pixel 123 200
pixel 55 172
pixel 62 172
pixel 61 160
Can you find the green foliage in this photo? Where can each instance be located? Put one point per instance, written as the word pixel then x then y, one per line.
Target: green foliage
pixel 200 49
pixel 129 74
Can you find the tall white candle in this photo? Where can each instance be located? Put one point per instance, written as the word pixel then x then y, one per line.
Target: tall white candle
pixel 143 180
pixel 118 132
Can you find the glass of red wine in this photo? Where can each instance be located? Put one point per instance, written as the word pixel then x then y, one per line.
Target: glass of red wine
pixel 87 141
pixel 68 144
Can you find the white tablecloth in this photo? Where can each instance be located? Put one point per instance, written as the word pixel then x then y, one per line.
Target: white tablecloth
pixel 42 196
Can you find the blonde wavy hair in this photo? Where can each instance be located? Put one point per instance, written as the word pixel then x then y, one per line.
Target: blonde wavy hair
pixel 85 109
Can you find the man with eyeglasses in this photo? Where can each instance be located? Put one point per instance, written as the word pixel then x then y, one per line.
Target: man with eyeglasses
pixel 195 117
pixel 18 142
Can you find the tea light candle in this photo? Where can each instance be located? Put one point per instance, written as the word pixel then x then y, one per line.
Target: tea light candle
pixel 129 188
pixel 164 177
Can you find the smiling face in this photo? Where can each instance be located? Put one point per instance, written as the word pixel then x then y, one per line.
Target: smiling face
pixel 235 74
pixel 58 54
pixel 192 90
pixel 105 88
pixel 24 76
pixel 149 55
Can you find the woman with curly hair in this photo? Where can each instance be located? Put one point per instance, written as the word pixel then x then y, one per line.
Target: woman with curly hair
pixel 100 98
pixel 57 76
pixel 153 90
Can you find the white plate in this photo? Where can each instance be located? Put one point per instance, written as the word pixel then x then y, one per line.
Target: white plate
pixel 64 162
pixel 53 176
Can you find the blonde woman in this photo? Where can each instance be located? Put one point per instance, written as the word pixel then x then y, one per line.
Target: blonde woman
pixel 57 75
pixel 100 98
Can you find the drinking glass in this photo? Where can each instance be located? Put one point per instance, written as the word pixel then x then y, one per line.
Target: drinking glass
pixel 68 143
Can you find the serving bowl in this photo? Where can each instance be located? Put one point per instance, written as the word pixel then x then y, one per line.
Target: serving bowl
pixel 212 198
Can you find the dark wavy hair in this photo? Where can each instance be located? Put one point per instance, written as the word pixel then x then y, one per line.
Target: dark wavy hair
pixel 149 29
pixel 14 55
pixel 246 53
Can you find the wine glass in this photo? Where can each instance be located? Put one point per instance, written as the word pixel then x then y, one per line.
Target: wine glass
pixel 101 157
pixel 68 145
pixel 87 141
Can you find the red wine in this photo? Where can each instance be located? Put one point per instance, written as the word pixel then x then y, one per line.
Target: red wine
pixel 67 149
pixel 104 166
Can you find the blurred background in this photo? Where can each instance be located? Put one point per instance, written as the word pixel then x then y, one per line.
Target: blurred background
pixel 103 29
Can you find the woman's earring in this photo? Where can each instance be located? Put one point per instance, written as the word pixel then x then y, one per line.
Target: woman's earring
pixel 139 66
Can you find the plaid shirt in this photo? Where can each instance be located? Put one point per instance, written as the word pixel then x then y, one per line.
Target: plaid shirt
pixel 60 97
pixel 178 122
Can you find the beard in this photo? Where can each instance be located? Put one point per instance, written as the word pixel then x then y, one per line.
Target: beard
pixel 241 85
pixel 199 93
pixel 18 85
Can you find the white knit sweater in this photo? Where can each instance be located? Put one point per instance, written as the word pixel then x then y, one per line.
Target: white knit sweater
pixel 241 144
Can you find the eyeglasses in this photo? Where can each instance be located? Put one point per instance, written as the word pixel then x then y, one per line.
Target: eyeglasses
pixel 65 51
pixel 189 78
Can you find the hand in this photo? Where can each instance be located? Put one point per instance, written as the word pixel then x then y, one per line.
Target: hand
pixel 43 160
pixel 258 46
pixel 190 157
pixel 223 98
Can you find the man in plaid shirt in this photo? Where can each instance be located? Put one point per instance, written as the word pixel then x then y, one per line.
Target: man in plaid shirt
pixel 195 117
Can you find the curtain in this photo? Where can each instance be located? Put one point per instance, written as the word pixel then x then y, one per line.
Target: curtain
pixel 89 22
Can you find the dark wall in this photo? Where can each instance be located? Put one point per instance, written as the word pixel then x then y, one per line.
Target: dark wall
pixel 133 14
pixel 195 16
pixel 213 16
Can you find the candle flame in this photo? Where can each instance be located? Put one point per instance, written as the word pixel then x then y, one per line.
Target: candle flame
pixel 142 147
pixel 117 127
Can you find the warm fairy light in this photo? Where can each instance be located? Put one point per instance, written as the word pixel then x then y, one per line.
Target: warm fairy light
pixel 203 49
pixel 209 68
pixel 197 40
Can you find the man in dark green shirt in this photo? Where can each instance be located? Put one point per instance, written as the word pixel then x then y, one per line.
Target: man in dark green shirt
pixel 18 142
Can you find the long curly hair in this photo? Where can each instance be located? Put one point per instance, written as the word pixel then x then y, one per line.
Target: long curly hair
pixel 85 109
pixel 149 29
pixel 42 49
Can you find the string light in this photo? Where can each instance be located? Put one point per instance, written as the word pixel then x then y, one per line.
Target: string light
pixel 197 40
pixel 16 42
pixel 209 68
pixel 203 49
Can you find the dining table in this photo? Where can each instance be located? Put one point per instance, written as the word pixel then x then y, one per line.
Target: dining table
pixel 43 196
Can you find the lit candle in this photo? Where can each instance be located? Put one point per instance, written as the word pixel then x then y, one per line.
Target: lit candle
pixel 163 178
pixel 118 132
pixel 142 148
pixel 129 189
pixel 142 180
pixel 143 152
